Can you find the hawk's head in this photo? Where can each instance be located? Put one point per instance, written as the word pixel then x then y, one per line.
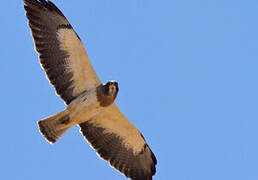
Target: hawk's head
pixel 106 93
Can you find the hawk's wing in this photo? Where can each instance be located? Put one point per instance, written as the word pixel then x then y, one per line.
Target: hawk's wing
pixel 119 142
pixel 61 51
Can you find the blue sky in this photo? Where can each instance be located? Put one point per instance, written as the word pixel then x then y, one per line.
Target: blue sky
pixel 187 72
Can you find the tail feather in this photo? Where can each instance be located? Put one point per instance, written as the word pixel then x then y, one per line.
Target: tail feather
pixel 53 127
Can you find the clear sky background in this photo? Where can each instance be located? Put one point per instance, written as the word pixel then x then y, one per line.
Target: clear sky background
pixel 187 72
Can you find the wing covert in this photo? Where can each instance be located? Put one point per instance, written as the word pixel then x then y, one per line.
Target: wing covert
pixel 116 140
pixel 61 53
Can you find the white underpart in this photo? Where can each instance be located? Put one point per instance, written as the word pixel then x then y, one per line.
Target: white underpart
pixel 78 61
pixel 84 107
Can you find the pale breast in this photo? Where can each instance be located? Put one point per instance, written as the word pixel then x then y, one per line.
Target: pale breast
pixel 84 107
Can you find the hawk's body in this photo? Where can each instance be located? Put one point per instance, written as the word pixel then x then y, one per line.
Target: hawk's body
pixel 90 104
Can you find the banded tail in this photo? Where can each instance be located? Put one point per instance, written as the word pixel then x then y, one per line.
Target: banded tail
pixel 53 127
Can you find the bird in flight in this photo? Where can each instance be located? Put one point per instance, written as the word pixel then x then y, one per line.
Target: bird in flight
pixel 90 103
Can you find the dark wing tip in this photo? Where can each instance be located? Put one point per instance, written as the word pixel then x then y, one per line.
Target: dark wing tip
pixel 153 158
pixel 42 4
pixel 44 22
pixel 109 146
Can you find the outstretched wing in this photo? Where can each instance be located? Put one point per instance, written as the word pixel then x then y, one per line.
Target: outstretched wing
pixel 118 141
pixel 60 49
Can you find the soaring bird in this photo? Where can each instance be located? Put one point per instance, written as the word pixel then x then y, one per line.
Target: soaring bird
pixel 90 103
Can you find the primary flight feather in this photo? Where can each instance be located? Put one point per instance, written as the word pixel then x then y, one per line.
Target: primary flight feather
pixel 90 104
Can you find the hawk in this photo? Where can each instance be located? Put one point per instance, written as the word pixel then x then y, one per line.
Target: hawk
pixel 90 103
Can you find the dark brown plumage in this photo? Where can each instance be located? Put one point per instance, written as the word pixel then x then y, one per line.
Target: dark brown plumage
pixel 103 95
pixel 90 103
pixel 110 148
pixel 44 21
